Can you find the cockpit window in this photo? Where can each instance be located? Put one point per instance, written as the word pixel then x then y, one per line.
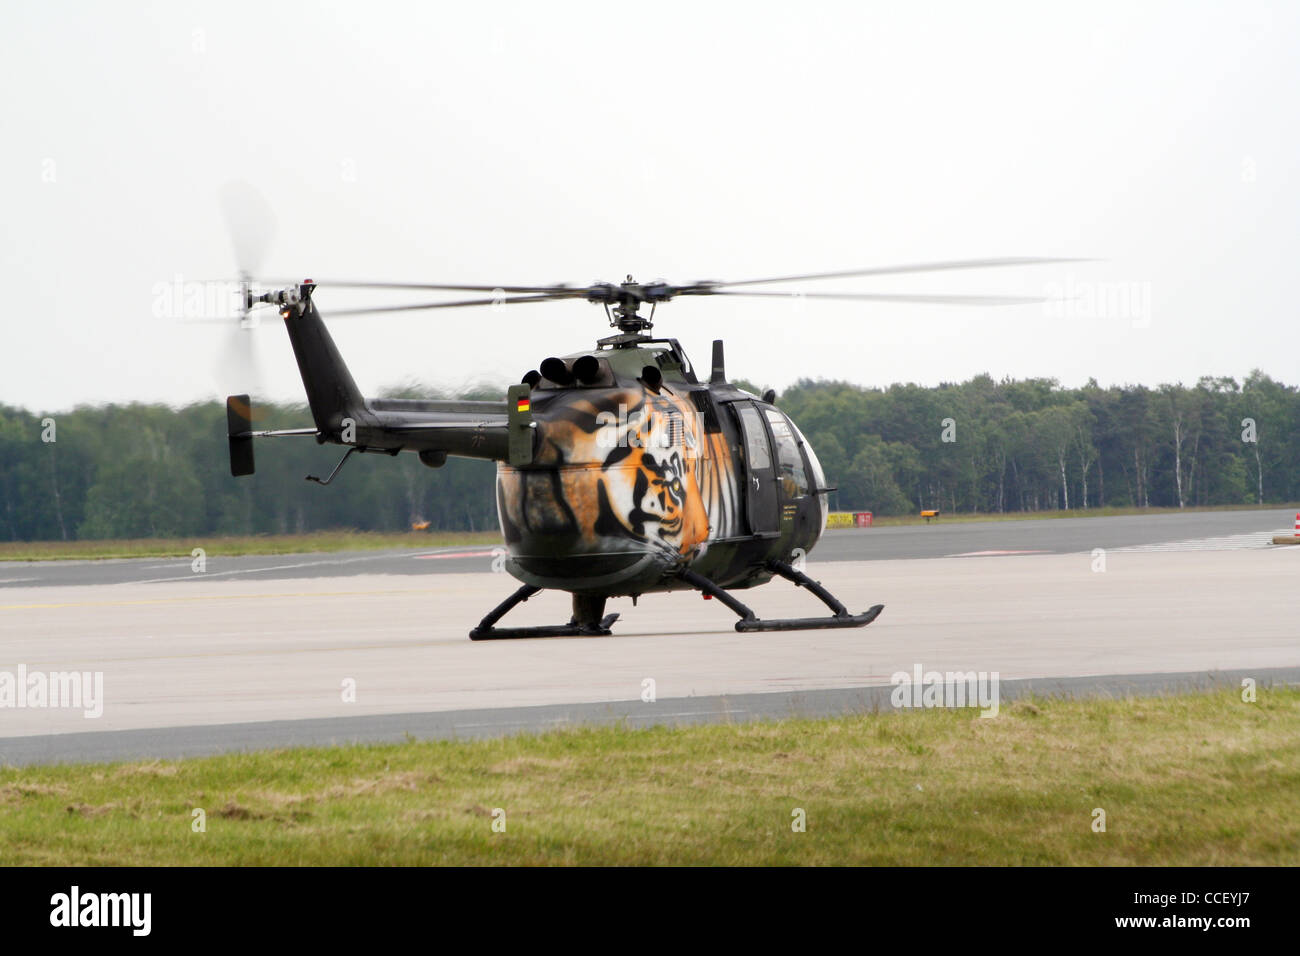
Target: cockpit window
pixel 794 477
pixel 756 453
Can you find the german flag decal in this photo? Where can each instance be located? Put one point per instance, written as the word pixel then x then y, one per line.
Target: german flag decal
pixel 522 405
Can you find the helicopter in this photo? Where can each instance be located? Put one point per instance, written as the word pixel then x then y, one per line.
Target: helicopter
pixel 622 470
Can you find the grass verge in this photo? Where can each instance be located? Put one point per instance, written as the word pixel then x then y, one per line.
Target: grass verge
pixel 236 545
pixel 1194 779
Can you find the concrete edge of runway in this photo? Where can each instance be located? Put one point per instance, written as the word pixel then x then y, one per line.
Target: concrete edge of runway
pixel 208 740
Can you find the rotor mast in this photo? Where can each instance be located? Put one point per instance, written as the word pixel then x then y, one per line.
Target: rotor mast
pixel 623 303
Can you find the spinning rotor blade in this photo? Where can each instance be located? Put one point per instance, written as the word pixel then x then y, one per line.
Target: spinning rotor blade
pixel 251 225
pixel 231 321
pixel 899 270
pixel 426 287
pixel 659 291
pixel 888 297
pixel 572 294
pixel 239 367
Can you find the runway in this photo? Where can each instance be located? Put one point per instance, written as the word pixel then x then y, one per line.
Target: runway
pixel 938 540
pixel 195 663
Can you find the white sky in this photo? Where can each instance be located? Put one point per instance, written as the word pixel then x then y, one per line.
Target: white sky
pixel 514 144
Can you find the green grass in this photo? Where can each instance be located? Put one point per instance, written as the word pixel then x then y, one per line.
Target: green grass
pixel 1194 779
pixel 948 518
pixel 245 544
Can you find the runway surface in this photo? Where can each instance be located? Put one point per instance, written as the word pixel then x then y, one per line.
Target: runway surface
pixel 265 655
pixel 938 540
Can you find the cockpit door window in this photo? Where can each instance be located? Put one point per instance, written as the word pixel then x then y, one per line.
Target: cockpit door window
pixel 790 470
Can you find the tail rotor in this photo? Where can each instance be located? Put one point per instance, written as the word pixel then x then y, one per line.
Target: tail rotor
pixel 251 225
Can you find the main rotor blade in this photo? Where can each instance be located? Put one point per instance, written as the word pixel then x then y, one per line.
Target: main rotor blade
pixel 695 288
pixel 899 270
pixel 427 287
pixel 572 294
pixel 887 297
pixel 230 320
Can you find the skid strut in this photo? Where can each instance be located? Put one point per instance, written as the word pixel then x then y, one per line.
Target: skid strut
pixel 749 621
pixel 587 620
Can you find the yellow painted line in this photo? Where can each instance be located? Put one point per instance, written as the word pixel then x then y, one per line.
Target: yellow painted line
pixel 211 597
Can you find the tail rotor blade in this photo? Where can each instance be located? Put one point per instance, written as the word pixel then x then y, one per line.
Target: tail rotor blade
pixel 239 367
pixel 251 225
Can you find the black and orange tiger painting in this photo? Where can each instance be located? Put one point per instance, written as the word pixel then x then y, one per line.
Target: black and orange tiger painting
pixel 619 472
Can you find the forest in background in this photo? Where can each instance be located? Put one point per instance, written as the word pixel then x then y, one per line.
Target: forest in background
pixel 981 446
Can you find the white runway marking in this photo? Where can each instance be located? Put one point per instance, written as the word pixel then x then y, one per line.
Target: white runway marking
pixel 482 553
pixel 1231 542
pixel 195 575
pixel 987 554
pixel 321 562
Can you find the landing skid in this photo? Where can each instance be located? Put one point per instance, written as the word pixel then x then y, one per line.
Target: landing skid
pixel 749 621
pixel 587 620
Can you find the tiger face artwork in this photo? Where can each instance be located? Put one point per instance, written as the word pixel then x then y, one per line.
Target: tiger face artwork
pixel 647 480
pixel 616 470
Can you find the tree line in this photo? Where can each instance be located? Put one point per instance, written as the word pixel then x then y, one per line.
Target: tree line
pixel 131 471
pixel 1031 445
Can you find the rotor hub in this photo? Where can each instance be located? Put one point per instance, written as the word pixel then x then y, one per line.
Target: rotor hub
pixel 623 303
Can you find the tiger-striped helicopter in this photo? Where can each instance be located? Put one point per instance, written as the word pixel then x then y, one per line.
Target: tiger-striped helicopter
pixel 621 470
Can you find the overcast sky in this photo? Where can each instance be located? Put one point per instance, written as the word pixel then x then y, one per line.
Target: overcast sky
pixel 531 143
